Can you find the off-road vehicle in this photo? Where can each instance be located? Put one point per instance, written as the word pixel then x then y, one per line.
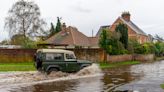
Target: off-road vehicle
pixel 49 60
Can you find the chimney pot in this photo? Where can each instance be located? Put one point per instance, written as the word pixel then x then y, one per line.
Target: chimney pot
pixel 126 16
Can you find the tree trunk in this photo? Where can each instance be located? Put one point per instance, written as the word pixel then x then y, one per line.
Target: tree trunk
pixel 24 31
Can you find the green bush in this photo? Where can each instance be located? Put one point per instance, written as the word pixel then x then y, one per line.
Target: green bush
pixel 130 48
pixel 135 47
pixel 29 44
pixel 159 51
pixel 123 30
pixel 146 48
pixel 138 49
pixel 149 48
pixel 109 41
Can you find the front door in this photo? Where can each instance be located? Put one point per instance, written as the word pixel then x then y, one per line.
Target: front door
pixel 71 63
pixel 55 59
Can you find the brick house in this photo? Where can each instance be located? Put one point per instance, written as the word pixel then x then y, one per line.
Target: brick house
pixel 84 47
pixel 71 37
pixel 134 32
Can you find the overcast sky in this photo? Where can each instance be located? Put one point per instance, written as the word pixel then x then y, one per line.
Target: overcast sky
pixel 88 15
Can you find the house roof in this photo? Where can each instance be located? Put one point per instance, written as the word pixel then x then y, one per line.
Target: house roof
pixel 128 23
pixel 71 36
pixel 133 26
pixel 93 41
pixel 100 29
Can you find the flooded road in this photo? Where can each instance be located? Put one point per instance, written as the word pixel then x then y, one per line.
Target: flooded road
pixel 152 75
pixel 139 78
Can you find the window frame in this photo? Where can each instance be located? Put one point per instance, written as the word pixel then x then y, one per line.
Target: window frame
pixel 67 59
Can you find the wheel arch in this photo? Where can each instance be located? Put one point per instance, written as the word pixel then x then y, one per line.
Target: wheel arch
pixel 53 66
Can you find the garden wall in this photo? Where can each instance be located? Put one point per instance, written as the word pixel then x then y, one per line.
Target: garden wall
pixel 119 58
pixel 95 55
pixel 137 57
pixel 140 57
pixel 91 54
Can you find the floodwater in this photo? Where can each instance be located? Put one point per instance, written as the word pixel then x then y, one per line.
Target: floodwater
pixel 136 78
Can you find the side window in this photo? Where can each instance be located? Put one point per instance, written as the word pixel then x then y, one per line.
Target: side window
pixel 58 57
pixel 54 56
pixel 70 56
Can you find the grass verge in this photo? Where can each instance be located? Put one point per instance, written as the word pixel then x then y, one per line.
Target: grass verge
pixel 30 67
pixel 159 58
pixel 17 67
pixel 117 64
pixel 162 86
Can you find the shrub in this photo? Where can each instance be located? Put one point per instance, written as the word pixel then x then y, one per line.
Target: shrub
pixel 109 41
pixel 159 48
pixel 149 48
pixel 123 30
pixel 29 44
pixel 130 48
pixel 146 48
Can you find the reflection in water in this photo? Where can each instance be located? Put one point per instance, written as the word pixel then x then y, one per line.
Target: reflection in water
pixel 141 78
pixel 153 76
pixel 112 79
pixel 48 87
pixel 89 85
pixel 79 85
pixel 116 77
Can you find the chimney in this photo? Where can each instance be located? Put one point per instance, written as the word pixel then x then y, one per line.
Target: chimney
pixel 126 16
pixel 64 27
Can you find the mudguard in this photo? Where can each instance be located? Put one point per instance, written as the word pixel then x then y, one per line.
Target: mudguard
pixel 53 66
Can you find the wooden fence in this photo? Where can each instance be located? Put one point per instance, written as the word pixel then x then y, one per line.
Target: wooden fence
pixel 26 55
pixel 16 55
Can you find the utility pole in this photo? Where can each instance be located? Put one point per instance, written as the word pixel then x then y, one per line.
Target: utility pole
pixel 92 32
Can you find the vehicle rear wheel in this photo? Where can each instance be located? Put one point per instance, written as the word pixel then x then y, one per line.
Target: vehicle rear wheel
pixel 52 70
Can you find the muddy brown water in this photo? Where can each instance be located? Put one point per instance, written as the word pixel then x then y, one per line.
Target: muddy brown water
pixel 136 78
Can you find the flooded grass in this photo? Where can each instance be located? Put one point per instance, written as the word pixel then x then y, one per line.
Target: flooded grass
pixel 162 86
pixel 28 66
pixel 159 58
pixel 17 67
pixel 117 64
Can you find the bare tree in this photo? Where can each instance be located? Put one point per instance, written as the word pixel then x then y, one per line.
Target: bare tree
pixel 24 18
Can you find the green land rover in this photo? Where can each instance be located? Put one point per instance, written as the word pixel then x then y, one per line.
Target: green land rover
pixel 49 60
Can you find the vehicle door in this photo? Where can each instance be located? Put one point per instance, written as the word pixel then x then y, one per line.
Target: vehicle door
pixel 55 59
pixel 71 62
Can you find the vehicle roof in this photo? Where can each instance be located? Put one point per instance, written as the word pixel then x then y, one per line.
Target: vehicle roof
pixel 55 50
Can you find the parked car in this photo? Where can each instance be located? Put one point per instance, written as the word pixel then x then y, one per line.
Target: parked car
pixel 49 60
